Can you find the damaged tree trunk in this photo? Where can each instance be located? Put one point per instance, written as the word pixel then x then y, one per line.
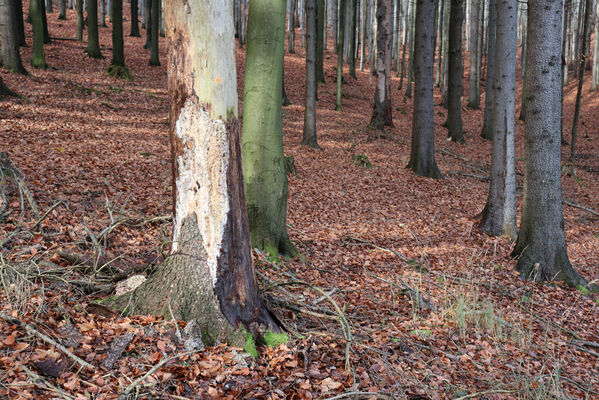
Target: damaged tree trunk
pixel 209 275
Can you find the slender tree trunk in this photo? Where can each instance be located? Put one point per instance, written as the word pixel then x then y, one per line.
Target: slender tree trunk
pixel 352 39
pixel 407 41
pixel 382 109
pixel 422 156
pixel 49 6
pixel 93 42
pixel 541 246
pixel 445 52
pixel 595 70
pixel 566 39
pixel 62 9
pixel 320 24
pixel 340 45
pixel 117 66
pixel 362 33
pixel 79 6
pixel 524 12
pixel 412 29
pixel 134 19
pixel 309 134
pixel 148 14
pixel 18 7
pixel 38 59
pixel 455 73
pixel 10 56
pixel 474 89
pixel 47 39
pixel 155 15
pixel 583 57
pixel 102 21
pixel 262 140
pixel 291 27
pixel 487 132
pixel 499 214
pixel 209 275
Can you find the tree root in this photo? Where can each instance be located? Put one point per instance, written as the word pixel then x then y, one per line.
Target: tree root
pixel 119 72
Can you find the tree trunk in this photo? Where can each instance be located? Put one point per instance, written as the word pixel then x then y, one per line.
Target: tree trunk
pixel 117 66
pixel 309 134
pixel 382 112
pixel 411 30
pixel 262 140
pixel 499 214
pixel 18 7
pixel 474 89
pixel 45 24
pixel 154 24
pixel 9 42
pixel 134 19
pixel 351 56
pixel 455 73
pixel 422 157
pixel 93 42
pixel 445 52
pixel 62 9
pixel 79 6
pixel 583 58
pixel 595 70
pixel 49 6
pixel 541 245
pixel 209 275
pixel 291 28
pixel 487 132
pixel 320 24
pixel 102 21
pixel 38 59
pixel 524 12
pixel 340 45
pixel 148 18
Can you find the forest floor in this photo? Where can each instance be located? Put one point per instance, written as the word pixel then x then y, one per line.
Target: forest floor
pixel 434 307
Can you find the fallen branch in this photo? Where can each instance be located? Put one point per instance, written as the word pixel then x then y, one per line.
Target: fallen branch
pixel 357 395
pixel 589 210
pixel 43 217
pixel 46 339
pixel 486 392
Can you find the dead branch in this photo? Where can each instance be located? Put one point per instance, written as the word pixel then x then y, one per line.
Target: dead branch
pixel 572 204
pixel 46 339
pixel 478 394
pixel 359 395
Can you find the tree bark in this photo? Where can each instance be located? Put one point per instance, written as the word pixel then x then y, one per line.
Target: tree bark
pixel 264 171
pixel 382 113
pixel 208 275
pixel 134 19
pixel 117 66
pixel 45 23
pixel 475 37
pixel 541 246
pixel 595 68
pixel 10 56
pixel 38 60
pixel 309 133
pixel 62 9
pixel 455 73
pixel 18 7
pixel 93 41
pixel 148 18
pixel 79 6
pixel 340 45
pixel 102 21
pixel 351 56
pixel 422 156
pixel 499 214
pixel 487 132
pixel 320 24
pixel 291 28
pixel 154 24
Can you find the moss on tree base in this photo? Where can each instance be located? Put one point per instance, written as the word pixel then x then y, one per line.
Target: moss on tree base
pixel 119 72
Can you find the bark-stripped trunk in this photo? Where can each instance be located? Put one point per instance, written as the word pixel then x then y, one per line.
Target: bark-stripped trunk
pixel 262 141
pixel 38 60
pixel 499 214
pixel 455 73
pixel 487 132
pixel 134 19
pixel 309 134
pixel 381 113
pixel 583 58
pixel 93 41
pixel 154 26
pixel 10 56
pixel 541 245
pixel 209 275
pixel 340 45
pixel 422 157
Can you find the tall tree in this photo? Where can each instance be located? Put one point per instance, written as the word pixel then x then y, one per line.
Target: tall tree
pixel 154 24
pixel 117 67
pixel 262 141
pixel 79 6
pixel 18 7
pixel 208 275
pixel 45 23
pixel 422 156
pixel 309 133
pixel 320 25
pixel 487 132
pixel 62 9
pixel 595 67
pixel 340 45
pixel 134 19
pixel 581 66
pixel 455 73
pixel 148 23
pixel 382 114
pixel 93 40
pixel 291 27
pixel 541 246
pixel 499 214
pixel 351 57
pixel 38 59
pixel 10 57
pixel 475 38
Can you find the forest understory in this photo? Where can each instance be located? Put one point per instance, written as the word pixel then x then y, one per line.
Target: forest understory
pixel 398 295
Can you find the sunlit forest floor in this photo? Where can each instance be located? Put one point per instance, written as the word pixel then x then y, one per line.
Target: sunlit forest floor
pixel 434 307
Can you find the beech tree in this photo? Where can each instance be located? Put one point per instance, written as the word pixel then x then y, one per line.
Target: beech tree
pixel 382 114
pixel 422 156
pixel 134 19
pixel 208 275
pixel 340 46
pixel 38 59
pixel 499 214
pixel 309 132
pixel 476 9
pixel 263 159
pixel 455 73
pixel 117 67
pixel 595 67
pixel 10 57
pixel 487 132
pixel 79 7
pixel 93 40
pixel 154 24
pixel 541 246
